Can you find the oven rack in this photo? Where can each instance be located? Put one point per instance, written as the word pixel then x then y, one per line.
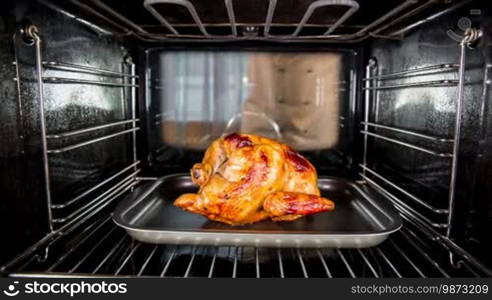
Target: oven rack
pixel 100 248
pixel 382 26
pixel 68 212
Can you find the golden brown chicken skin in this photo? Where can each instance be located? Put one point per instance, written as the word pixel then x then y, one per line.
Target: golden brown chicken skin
pixel 246 178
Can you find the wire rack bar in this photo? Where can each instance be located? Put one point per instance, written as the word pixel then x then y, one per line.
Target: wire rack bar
pixel 402 253
pixel 61 80
pixel 234 266
pixel 232 18
pixel 188 268
pixel 147 260
pixel 89 129
pixel 406 15
pixel 425 254
pixel 92 250
pixel 415 147
pixel 345 262
pixel 42 117
pixel 99 139
pixel 120 186
pixel 95 187
pixel 280 263
pixel 91 10
pixel 269 17
pixel 110 254
pixel 414 72
pixel 85 237
pixel 430 83
pixel 212 263
pixel 429 18
pixel 168 262
pixel 323 262
pixel 401 205
pixel 390 264
pixel 257 264
pixel 148 4
pixel 353 7
pixel 408 132
pixel 92 26
pixel 123 264
pixel 368 263
pixel 84 69
pixel 405 192
pixel 301 262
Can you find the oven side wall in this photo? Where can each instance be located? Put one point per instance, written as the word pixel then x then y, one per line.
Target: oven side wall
pixel 23 203
pixel 431 110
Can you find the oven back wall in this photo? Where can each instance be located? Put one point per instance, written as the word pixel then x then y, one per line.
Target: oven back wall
pixel 67 107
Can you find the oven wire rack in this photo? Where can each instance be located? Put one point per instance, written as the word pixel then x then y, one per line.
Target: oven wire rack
pixel 390 24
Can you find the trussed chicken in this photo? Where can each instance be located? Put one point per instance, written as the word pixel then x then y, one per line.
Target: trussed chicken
pixel 245 179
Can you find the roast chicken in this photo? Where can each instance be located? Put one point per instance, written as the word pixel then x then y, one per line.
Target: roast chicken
pixel 246 178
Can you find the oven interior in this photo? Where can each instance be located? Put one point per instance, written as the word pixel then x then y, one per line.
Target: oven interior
pixel 102 96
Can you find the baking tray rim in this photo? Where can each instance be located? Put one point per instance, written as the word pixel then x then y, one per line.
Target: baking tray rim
pixel 116 216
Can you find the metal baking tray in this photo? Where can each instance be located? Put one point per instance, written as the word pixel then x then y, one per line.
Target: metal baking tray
pixel 360 219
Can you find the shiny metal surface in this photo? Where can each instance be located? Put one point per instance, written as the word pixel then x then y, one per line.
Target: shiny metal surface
pixel 432 111
pixel 471 35
pixel 72 114
pixel 32 32
pixel 112 253
pixel 89 142
pixel 409 132
pixel 85 130
pixel 398 173
pixel 425 150
pixel 84 69
pixel 360 219
pixel 369 21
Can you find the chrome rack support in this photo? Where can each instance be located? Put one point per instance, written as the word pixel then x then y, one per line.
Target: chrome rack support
pixel 232 17
pixel 269 17
pixel 31 33
pixel 408 132
pixel 89 129
pixel 84 69
pixel 133 107
pixel 59 80
pixel 432 83
pixel 415 72
pixel 471 35
pixel 369 70
pixel 92 141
